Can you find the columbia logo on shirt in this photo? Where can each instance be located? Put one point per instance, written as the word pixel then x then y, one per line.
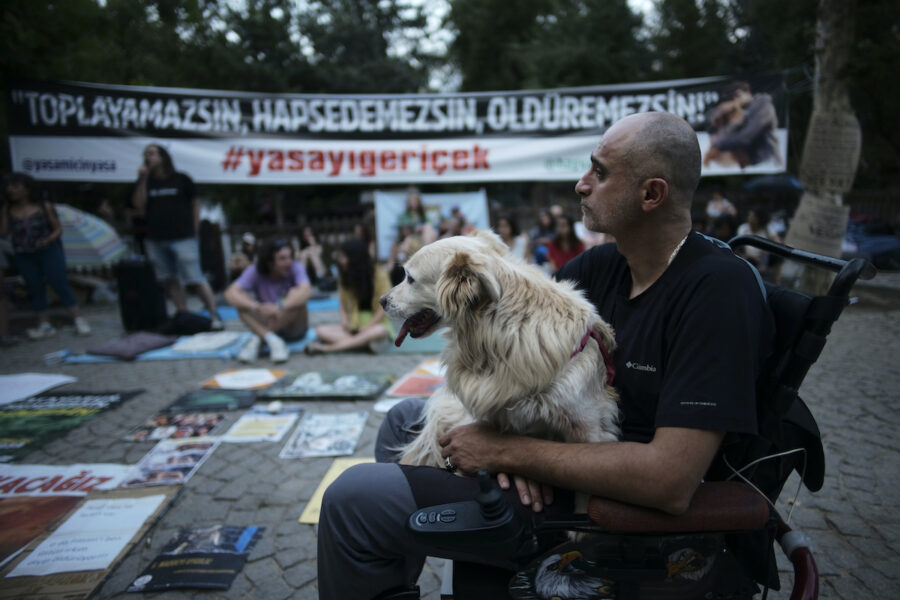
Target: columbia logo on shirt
pixel 640 367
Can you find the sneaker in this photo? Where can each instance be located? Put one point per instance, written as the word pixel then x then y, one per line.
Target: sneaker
pixel 250 351
pixel 44 330
pixel 216 324
pixel 278 350
pixel 81 326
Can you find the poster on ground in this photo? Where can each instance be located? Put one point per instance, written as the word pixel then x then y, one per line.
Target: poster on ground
pixel 420 382
pixel 176 426
pixel 261 427
pixel 32 422
pixel 81 584
pixel 325 434
pixel 170 462
pixel 327 385
pixel 199 557
pixel 212 400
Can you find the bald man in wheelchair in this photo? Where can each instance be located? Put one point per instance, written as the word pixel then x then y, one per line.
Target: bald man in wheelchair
pixel 692 330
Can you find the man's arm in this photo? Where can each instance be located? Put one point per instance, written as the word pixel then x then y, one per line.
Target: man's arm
pixel 662 474
pixel 139 195
pixel 297 296
pixel 239 298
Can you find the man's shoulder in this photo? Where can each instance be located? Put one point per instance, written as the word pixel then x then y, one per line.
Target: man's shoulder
pixel 716 264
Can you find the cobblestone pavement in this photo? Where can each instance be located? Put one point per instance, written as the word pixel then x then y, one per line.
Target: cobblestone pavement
pixel 853 521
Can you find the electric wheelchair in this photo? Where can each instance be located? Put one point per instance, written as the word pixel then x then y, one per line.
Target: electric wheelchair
pixel 722 546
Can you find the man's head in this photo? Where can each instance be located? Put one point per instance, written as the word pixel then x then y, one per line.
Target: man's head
pixel 646 166
pixel 158 160
pixel 275 259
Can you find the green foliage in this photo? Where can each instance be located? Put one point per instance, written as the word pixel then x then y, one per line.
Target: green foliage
pixel 352 45
pixel 692 39
pixel 545 43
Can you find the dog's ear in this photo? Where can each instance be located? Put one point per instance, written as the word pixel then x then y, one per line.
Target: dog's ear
pixel 465 284
pixel 493 241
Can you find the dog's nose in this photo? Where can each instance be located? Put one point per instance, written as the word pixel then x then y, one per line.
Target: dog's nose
pixel 384 301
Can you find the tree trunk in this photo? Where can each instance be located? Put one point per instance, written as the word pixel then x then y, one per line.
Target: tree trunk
pixel 833 139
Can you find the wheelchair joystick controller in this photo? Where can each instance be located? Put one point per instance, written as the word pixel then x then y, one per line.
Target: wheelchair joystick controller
pixel 486 525
pixel 494 506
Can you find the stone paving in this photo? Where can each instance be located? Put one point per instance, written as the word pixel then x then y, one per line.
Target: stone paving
pixel 853 521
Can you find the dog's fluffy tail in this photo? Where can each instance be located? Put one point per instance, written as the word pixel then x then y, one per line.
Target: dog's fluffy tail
pixel 443 412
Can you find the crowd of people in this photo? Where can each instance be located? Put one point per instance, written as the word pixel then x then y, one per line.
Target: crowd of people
pixel 272 279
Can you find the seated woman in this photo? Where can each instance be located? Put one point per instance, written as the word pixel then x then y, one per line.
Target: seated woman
pixel 361 284
pixel 310 255
pixel 271 298
pixel 565 246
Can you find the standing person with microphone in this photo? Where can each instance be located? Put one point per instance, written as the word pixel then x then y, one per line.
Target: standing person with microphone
pixel 168 200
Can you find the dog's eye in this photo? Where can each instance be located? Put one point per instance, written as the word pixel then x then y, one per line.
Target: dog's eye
pixel 409 278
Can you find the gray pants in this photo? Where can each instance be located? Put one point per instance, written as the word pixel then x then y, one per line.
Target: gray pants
pixel 364 546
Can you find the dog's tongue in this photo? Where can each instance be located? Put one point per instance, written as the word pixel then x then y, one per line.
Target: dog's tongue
pixel 404 329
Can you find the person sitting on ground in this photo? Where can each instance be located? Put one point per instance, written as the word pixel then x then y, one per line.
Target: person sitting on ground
pixel 271 298
pixel 465 225
pixel 38 252
pixel 243 256
pixel 406 244
pixel 565 245
pixel 415 216
pixel 719 205
pixel 310 255
pixel 362 230
pixel 759 223
pixel 361 283
pixel 508 230
pixel 540 236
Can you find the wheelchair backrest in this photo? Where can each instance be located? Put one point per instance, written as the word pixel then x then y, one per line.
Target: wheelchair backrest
pixel 802 324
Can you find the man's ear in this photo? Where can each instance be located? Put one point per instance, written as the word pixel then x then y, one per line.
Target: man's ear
pixel 654 193
pixel 465 285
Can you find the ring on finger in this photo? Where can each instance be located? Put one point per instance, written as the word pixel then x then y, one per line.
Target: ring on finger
pixel 449 465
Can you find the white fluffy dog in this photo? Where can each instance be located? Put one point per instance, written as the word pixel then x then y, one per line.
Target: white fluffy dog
pixel 520 355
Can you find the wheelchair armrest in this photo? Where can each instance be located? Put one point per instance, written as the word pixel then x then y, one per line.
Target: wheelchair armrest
pixel 720 506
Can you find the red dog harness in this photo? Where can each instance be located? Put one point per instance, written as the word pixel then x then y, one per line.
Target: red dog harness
pixel 607 359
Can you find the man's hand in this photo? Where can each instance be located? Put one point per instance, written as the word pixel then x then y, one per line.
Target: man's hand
pixel 531 493
pixel 143 170
pixel 268 311
pixel 477 446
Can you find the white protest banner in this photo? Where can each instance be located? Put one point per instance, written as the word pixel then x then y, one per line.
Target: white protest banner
pixel 96 132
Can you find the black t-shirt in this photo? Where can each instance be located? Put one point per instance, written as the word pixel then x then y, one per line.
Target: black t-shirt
pixel 170 207
pixel 690 348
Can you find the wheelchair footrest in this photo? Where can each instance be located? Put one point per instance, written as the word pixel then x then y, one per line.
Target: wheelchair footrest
pixel 716 506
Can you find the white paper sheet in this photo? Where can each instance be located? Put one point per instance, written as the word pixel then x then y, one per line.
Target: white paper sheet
pixel 260 428
pixel 24 385
pixel 91 538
